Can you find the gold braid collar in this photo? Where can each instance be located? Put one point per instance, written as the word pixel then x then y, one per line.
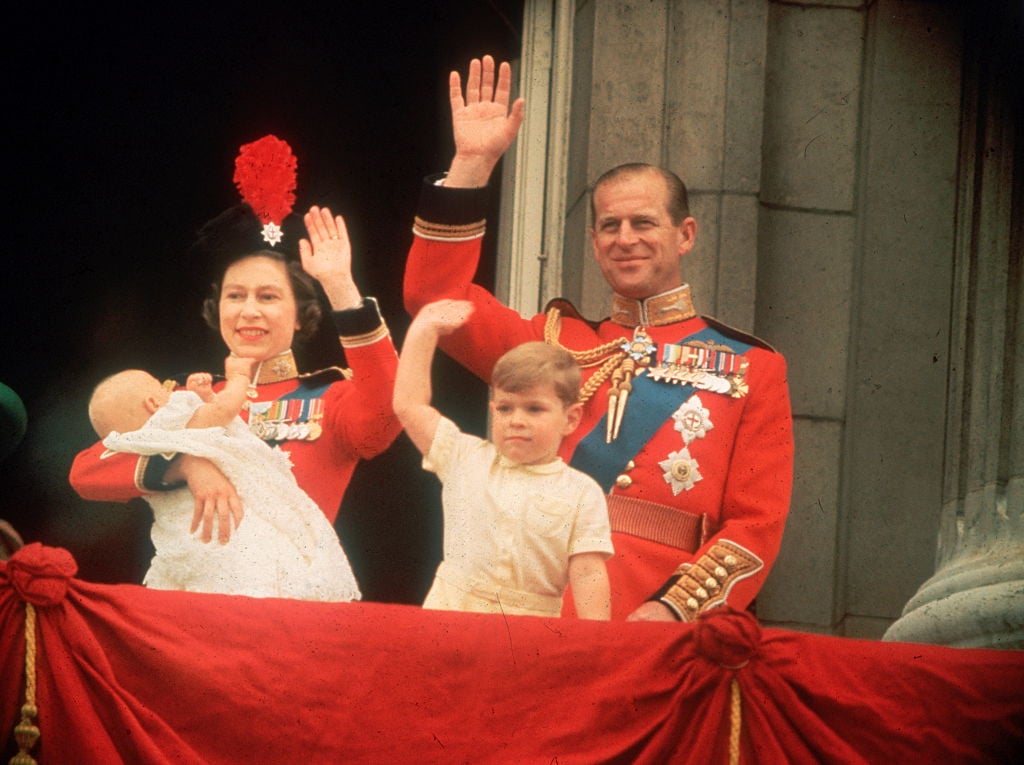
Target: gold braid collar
pixel 667 308
pixel 276 369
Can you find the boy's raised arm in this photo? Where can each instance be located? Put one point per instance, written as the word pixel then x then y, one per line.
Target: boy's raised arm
pixel 413 391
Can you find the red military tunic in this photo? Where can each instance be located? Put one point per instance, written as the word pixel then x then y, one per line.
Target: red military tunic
pixel 698 509
pixel 354 415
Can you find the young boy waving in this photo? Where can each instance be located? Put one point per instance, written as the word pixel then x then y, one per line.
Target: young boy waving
pixel 519 524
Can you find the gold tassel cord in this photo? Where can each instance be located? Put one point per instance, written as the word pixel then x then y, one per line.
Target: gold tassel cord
pixel 597 379
pixel 26 733
pixel 618 360
pixel 588 358
pixel 609 355
pixel 735 722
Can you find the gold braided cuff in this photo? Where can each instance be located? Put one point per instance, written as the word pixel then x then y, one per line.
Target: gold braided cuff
pixel 443 232
pixel 367 338
pixel 706 582
pixel 140 474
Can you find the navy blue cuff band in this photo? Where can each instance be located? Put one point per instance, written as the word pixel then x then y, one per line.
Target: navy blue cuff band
pixel 358 321
pixel 455 207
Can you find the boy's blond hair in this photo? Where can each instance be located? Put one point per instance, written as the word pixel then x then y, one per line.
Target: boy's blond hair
pixel 537 363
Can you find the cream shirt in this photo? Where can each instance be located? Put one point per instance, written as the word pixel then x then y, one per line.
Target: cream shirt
pixel 509 529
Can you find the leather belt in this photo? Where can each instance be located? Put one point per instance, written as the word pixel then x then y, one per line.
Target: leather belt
pixel 657 523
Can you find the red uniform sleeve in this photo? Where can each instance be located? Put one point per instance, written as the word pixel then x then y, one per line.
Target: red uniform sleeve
pixel 444 268
pixel 116 478
pixel 363 416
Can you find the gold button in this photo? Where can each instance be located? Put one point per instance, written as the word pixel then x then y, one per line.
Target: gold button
pixel 691 603
pixel 623 481
pixel 630 465
pixel 729 560
pixel 721 573
pixel 711 583
pixel 702 593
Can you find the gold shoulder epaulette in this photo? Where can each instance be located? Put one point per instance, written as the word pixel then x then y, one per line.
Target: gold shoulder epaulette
pixel 566 308
pixel 325 376
pixel 739 334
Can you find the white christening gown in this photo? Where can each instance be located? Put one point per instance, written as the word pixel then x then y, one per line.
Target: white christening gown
pixel 284 546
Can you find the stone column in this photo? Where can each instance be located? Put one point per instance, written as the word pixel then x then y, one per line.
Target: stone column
pixel 976 597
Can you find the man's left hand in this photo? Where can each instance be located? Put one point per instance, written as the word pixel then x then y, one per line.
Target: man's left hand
pixel 652 611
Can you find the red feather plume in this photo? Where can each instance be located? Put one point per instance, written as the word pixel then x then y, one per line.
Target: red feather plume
pixel 265 177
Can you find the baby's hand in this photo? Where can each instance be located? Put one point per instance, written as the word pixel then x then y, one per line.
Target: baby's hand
pixel 445 316
pixel 239 365
pixel 200 383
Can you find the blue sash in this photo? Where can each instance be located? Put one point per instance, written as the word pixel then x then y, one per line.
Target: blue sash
pixel 650 404
pixel 304 393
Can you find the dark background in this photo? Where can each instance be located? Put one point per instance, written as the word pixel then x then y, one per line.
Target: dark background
pixel 126 125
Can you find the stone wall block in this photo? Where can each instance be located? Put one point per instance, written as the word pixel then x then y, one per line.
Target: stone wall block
pixel 627 101
pixel 811 107
pixel 900 364
pixel 801 588
pixel 804 293
pixel 744 100
pixel 700 265
pixel 737 261
pixel 698 34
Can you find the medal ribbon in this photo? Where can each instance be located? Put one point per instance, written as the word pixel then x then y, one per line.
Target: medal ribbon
pixel 300 405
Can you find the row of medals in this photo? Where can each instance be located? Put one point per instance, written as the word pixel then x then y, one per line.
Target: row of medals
pixel 639 354
pixel 283 428
pixel 701 379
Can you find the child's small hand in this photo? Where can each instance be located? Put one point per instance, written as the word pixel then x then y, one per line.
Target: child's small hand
pixel 200 383
pixel 239 365
pixel 445 316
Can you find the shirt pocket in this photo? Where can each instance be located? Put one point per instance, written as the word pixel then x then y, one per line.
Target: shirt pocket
pixel 548 517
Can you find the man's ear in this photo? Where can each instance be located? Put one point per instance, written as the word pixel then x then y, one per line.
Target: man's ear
pixel 573 416
pixel 688 235
pixel 151 404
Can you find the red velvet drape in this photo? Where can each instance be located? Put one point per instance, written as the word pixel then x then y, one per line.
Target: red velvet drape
pixel 127 674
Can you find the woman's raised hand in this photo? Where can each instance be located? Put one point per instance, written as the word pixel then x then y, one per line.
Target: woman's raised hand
pixel 327 257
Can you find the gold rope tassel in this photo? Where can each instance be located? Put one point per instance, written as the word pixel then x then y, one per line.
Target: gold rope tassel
pixel 26 733
pixel 735 722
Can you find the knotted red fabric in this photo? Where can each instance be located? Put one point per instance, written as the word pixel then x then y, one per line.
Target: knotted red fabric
pixel 40 575
pixel 127 674
pixel 727 637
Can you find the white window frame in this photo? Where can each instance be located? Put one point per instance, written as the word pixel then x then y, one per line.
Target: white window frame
pixel 529 268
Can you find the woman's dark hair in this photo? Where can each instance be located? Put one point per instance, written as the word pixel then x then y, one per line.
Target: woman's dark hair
pixel 307 304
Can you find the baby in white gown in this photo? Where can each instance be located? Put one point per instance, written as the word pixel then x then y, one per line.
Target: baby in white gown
pixel 283 547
